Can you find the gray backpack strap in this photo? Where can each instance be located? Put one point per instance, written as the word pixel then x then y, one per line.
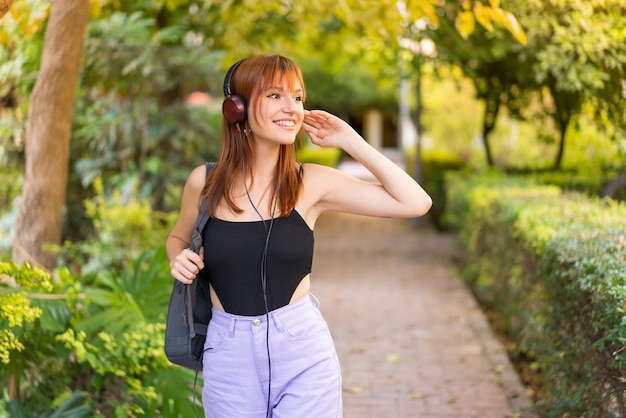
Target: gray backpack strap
pixel 203 218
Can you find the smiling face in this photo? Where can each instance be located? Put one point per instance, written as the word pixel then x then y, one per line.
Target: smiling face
pixel 277 112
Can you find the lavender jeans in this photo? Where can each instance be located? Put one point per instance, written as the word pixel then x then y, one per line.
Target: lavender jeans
pixel 305 372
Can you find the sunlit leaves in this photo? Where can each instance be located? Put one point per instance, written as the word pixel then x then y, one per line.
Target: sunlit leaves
pixel 482 15
pixel 465 23
pixel 476 11
pixel 16 310
pixel 24 20
pixel 510 22
pixel 428 9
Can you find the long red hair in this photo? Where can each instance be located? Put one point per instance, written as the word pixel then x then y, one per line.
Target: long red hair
pixel 253 76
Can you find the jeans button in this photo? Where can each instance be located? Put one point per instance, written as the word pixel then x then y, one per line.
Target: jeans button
pixel 257 322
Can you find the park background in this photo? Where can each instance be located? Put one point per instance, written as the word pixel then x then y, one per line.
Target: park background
pixel 511 113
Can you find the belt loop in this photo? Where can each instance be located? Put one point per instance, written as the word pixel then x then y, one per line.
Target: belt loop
pixel 315 300
pixel 275 317
pixel 232 326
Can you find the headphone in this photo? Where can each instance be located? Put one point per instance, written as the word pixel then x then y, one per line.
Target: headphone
pixel 234 107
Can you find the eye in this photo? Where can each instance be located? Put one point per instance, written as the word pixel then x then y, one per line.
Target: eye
pixel 298 98
pixel 274 96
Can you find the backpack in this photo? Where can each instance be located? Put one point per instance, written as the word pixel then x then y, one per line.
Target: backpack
pixel 189 310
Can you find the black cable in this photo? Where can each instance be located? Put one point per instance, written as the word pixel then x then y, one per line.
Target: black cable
pixel 263 271
pixel 195 380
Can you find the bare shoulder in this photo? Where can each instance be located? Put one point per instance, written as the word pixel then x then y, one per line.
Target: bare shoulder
pixel 317 177
pixel 318 182
pixel 193 187
pixel 197 178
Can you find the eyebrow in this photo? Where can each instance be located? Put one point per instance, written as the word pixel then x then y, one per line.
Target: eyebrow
pixel 281 89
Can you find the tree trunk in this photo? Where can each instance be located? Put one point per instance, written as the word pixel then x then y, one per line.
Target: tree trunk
pixel 490 116
pixel 40 216
pixel 566 105
pixel 561 151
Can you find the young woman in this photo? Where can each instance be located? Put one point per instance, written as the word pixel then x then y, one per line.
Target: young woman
pixel 268 350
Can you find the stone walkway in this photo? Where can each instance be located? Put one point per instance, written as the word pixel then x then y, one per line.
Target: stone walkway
pixel 411 339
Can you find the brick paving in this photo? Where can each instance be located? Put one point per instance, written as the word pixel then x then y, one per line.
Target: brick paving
pixel 411 339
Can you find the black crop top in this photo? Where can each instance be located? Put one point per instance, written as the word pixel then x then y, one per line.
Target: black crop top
pixel 232 258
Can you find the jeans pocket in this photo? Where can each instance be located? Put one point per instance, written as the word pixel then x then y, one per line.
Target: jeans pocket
pixel 306 327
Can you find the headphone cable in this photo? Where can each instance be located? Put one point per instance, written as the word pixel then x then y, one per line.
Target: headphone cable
pixel 263 271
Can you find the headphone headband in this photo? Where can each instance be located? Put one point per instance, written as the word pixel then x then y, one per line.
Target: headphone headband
pixel 229 77
pixel 234 107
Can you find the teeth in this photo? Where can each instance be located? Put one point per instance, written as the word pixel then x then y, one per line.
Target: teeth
pixel 287 123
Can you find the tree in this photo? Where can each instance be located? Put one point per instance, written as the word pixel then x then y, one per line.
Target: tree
pixel 580 49
pixel 491 61
pixel 575 54
pixel 40 215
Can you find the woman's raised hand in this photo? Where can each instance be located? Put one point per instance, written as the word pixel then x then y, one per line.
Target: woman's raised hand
pixel 327 130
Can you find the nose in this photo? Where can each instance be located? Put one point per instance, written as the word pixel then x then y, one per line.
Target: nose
pixel 291 104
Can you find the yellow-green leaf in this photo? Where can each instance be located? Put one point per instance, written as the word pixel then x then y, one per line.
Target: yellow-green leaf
pixel 482 15
pixel 514 27
pixel 465 24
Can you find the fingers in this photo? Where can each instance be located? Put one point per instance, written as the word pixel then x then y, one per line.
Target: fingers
pixel 316 112
pixel 316 117
pixel 186 266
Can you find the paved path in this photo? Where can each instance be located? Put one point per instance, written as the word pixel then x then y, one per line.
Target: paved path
pixel 411 339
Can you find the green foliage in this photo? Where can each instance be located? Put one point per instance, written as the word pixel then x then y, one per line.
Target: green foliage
pixel 135 295
pixel 16 311
pixel 123 227
pixel 133 126
pixel 73 405
pixel 575 57
pixel 313 154
pixel 341 92
pixel 21 42
pixel 78 344
pixel 552 264
pixel 517 145
pixel 10 186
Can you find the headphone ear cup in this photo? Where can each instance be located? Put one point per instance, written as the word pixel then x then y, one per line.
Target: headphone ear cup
pixel 234 109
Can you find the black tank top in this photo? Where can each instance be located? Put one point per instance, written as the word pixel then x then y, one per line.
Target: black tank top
pixel 232 257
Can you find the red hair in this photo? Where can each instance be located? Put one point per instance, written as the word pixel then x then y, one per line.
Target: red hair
pixel 253 76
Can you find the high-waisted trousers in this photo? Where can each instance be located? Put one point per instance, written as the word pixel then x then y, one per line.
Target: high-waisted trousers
pixel 305 378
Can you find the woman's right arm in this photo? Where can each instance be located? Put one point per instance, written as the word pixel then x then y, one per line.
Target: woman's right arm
pixel 184 263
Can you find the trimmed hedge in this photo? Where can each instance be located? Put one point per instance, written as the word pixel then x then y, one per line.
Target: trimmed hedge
pixel 553 265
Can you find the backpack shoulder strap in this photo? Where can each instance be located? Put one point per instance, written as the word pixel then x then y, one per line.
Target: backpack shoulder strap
pixel 203 217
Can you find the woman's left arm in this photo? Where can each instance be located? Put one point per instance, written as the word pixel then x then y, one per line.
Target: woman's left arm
pixel 397 195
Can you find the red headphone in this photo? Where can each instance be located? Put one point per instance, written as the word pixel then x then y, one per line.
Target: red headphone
pixel 234 107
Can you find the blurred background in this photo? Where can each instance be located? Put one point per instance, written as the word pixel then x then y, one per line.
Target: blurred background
pixel 106 106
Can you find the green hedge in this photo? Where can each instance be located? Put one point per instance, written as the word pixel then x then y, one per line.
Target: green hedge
pixel 317 155
pixel 553 265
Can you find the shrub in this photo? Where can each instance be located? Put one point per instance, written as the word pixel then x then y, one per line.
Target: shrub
pixel 87 338
pixel 552 264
